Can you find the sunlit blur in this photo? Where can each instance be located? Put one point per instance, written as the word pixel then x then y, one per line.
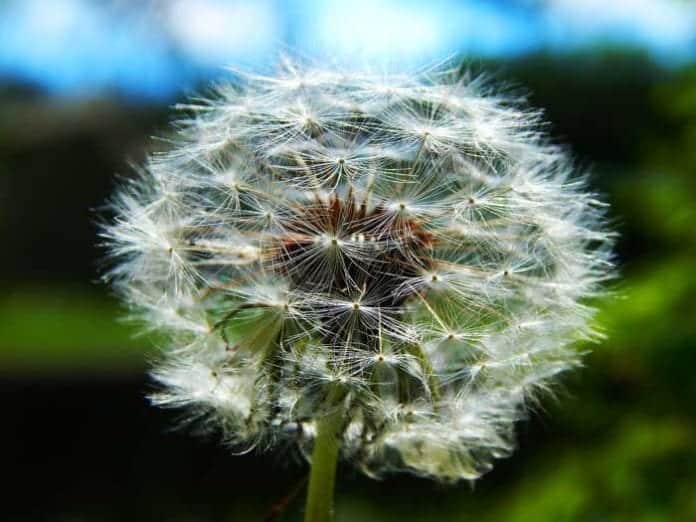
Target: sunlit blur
pixel 213 32
pixel 154 48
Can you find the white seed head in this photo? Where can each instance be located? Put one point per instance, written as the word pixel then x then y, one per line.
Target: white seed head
pixel 411 245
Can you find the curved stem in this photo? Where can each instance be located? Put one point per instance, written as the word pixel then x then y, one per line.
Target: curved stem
pixel 322 476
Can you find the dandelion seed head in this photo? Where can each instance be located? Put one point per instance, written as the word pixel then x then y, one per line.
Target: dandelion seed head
pixel 413 245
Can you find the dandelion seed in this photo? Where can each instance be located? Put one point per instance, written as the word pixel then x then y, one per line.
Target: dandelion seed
pixel 406 255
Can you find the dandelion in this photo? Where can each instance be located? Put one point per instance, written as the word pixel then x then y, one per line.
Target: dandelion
pixel 385 269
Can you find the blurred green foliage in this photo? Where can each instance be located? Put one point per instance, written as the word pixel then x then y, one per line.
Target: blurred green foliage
pixel 66 330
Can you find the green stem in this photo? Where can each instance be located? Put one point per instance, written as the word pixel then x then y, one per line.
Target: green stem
pixel 322 476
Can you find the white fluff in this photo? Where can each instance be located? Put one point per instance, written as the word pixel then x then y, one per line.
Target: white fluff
pixel 413 241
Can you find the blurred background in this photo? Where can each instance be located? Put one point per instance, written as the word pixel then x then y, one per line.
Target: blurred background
pixel 84 84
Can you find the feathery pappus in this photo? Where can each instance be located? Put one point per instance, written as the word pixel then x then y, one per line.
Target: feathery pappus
pixel 409 251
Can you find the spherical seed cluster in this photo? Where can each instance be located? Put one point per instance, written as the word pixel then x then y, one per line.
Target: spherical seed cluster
pixel 409 251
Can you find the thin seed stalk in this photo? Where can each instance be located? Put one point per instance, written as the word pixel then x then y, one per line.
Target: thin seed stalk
pixel 322 477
